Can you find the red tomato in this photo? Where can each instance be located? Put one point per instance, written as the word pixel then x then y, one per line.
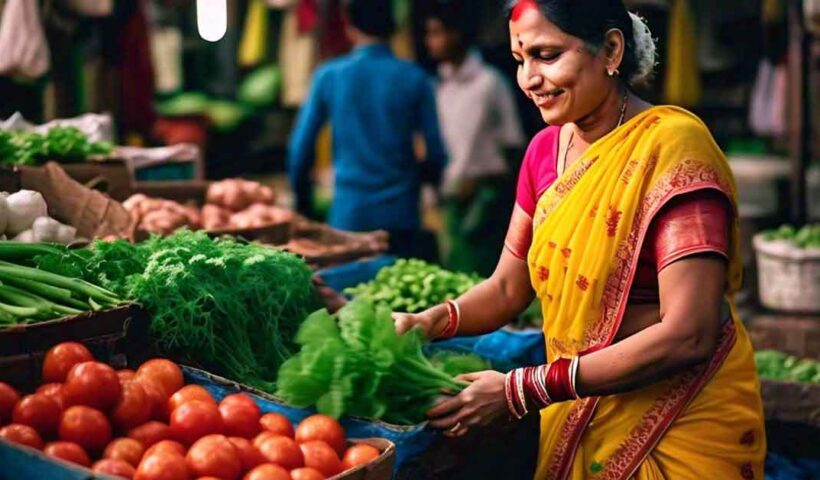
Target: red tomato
pixel 118 468
pixel 168 446
pixel 68 451
pixel 8 399
pixel 188 393
pixel 126 449
pixel 86 427
pixel 156 396
pixel 259 439
pixel 165 371
pixel 307 473
pixel 324 428
pixel 55 391
pixel 214 455
pixel 61 358
pixel 239 419
pixel 150 433
pixel 193 420
pixel 359 454
pixel 39 412
pixel 248 454
pixel 126 374
pixel 238 398
pixel 268 471
pixel 92 384
pixel 277 423
pixel 322 457
pixel 133 408
pixel 22 434
pixel 282 451
pixel 162 466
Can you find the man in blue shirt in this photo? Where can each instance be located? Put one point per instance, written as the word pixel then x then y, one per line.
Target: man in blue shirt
pixel 375 103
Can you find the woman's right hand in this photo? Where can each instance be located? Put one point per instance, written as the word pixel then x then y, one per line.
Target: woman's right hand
pixel 432 321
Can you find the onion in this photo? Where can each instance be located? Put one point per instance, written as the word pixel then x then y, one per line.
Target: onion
pixel 24 207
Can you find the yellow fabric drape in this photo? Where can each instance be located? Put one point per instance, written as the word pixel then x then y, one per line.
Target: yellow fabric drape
pixel 682 85
pixel 253 47
pixel 588 230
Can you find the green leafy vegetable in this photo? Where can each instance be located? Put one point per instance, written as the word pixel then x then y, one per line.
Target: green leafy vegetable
pixel 59 143
pixel 414 285
pixel 231 307
pixel 780 366
pixel 354 363
pixel 806 237
pixel 457 363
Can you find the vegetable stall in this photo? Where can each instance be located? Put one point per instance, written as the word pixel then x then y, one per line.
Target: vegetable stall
pixel 223 344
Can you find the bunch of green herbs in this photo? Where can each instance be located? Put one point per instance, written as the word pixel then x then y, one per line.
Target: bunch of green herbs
pixel 355 363
pixel 233 308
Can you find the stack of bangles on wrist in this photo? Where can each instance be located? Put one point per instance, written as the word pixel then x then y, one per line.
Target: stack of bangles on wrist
pixel 541 386
pixel 453 321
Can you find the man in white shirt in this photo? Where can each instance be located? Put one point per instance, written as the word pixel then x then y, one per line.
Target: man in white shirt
pixel 482 132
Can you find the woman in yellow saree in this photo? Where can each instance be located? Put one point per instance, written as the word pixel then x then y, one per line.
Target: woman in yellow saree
pixel 625 227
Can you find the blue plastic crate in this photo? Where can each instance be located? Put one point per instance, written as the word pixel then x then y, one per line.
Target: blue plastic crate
pixel 351 274
pixel 166 172
pixel 410 440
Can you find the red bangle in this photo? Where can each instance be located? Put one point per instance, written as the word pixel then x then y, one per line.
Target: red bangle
pixel 453 321
pixel 558 380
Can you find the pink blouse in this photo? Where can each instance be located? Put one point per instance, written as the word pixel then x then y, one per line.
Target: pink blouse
pixel 690 224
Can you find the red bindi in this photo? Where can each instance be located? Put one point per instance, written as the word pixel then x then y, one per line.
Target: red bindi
pixel 522 7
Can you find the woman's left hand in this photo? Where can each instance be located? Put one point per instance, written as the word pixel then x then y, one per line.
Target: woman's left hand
pixel 480 403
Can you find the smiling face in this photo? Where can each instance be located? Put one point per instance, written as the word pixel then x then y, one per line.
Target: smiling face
pixel 556 70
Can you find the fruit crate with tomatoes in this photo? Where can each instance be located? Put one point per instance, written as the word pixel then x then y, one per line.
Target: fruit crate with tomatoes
pixel 88 420
pixel 112 334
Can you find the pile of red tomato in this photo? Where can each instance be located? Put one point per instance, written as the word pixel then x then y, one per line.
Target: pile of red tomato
pixel 148 425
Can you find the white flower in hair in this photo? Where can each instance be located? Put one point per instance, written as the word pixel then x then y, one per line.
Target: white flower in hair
pixel 645 49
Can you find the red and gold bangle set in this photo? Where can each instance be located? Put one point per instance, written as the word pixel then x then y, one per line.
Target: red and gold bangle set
pixel 538 386
pixel 453 321
pixel 541 386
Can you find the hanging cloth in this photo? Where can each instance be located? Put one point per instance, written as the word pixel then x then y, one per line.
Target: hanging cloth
pixel 333 40
pixel 23 46
pixel 137 70
pixel 683 85
pixel 307 13
pixel 297 52
pixel 253 48
pixel 91 8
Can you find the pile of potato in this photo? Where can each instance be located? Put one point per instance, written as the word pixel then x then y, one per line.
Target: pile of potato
pixel 230 204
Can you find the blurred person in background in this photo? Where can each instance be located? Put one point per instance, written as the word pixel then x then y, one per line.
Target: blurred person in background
pixel 375 104
pixel 483 135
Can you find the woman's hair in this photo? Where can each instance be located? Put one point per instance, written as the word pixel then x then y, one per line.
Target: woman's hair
pixel 373 17
pixel 590 20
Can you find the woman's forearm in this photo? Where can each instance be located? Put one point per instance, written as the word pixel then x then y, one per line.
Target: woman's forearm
pixel 641 359
pixel 491 304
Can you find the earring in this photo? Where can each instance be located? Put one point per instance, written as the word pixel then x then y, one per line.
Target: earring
pixel 612 71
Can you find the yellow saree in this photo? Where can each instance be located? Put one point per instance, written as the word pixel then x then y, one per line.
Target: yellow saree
pixel 705 422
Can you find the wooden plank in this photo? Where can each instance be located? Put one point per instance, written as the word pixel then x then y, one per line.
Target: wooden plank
pixel 799 109
pixel 793 334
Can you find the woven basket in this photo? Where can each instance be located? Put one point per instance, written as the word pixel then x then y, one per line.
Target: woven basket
pixel 788 277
